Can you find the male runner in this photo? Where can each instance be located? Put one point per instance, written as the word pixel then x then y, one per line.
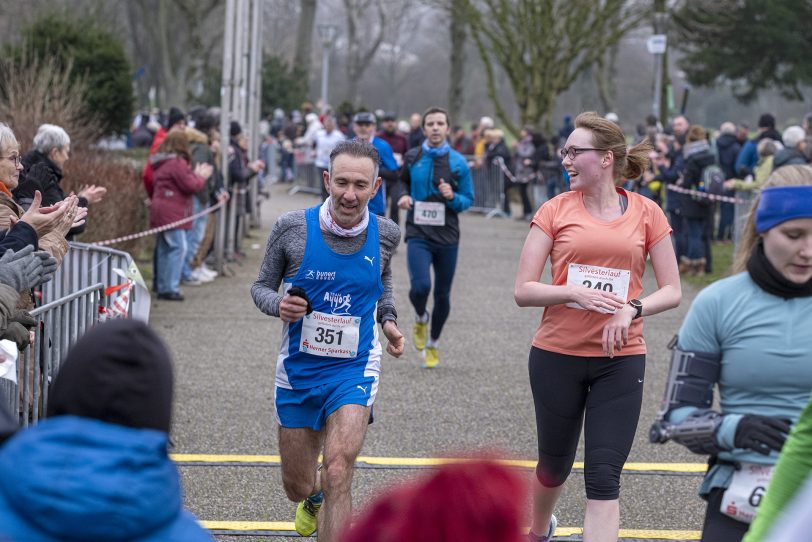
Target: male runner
pixel 435 186
pixel 333 263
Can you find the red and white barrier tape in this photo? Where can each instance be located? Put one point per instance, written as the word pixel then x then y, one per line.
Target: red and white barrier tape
pixel 712 197
pixel 159 229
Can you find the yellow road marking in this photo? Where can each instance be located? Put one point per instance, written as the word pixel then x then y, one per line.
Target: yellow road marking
pixel 275 526
pixel 248 525
pixel 429 462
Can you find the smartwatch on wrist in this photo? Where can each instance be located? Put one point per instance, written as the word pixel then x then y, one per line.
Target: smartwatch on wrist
pixel 638 306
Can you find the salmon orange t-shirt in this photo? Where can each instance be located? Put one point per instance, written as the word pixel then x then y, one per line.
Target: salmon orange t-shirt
pixel 599 254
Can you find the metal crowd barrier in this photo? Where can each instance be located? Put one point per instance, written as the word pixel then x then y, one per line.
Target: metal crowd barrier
pixel 308 179
pixel 59 324
pixel 489 193
pixel 741 211
pixel 269 152
pixel 84 265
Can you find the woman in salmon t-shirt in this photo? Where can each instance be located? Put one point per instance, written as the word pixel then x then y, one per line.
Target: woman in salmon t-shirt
pixel 588 354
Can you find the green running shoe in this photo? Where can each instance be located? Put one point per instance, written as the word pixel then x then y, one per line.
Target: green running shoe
pixel 432 357
pixel 307 513
pixel 420 334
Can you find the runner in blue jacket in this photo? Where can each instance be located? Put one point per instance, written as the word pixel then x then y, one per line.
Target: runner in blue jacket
pixel 435 187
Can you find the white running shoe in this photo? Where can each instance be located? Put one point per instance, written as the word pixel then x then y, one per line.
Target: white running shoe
pixel 207 270
pixel 199 276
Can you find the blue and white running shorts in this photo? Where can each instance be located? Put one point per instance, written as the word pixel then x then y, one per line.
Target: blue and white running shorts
pixel 310 407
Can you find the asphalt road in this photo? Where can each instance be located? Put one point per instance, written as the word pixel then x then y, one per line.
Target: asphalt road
pixel 477 399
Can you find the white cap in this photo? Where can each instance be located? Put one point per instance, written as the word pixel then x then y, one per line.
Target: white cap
pixel 793 135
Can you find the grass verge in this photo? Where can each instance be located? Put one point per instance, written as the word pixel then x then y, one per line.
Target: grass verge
pixel 722 263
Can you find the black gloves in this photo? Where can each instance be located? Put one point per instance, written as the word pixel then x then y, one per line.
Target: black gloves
pixel 761 434
pixel 299 292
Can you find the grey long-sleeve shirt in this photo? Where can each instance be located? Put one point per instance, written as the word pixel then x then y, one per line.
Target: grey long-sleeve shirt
pixel 285 251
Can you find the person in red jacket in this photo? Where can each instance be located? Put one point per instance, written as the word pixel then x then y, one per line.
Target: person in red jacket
pixel 174 186
pixel 175 123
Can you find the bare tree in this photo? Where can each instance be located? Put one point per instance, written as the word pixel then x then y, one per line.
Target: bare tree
pixel 361 30
pixel 542 47
pixel 174 40
pixel 304 35
pixel 457 26
pixel 604 72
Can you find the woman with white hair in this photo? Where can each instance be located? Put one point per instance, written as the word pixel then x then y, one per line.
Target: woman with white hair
pixel 794 139
pixel 50 234
pixel 43 170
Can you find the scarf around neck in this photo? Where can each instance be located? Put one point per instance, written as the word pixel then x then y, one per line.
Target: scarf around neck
pixel 327 221
pixel 695 147
pixel 769 279
pixel 436 151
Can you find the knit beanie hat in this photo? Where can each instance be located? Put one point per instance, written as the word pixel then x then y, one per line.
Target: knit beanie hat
pixel 119 372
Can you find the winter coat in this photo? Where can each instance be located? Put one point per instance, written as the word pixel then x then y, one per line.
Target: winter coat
pixel 52 242
pixel 494 150
pixel 47 178
pixel 174 186
pixel 18 237
pixel 71 478
pixel 202 154
pixel 397 141
pixel 416 137
pixel 748 156
pixel 238 170
pixel 525 151
pixel 149 173
pixel 728 147
pixel 696 160
pixel 788 157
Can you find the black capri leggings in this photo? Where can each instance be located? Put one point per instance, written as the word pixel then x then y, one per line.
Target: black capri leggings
pixel 603 393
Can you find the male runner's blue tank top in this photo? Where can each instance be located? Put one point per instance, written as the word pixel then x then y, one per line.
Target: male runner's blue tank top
pixel 339 339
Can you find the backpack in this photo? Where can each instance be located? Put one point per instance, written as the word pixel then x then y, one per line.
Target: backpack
pixel 713 180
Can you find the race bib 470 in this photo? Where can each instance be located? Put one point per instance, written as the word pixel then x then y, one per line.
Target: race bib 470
pixel 429 213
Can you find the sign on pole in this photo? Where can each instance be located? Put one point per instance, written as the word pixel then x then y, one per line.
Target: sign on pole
pixel 656 44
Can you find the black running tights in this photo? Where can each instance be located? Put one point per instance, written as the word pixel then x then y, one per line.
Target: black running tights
pixel 604 394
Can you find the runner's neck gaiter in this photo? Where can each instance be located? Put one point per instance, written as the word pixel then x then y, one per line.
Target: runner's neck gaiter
pixel 769 279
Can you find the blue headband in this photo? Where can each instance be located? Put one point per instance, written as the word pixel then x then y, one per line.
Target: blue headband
pixel 781 203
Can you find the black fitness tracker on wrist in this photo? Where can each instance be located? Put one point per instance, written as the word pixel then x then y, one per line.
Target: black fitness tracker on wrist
pixel 638 306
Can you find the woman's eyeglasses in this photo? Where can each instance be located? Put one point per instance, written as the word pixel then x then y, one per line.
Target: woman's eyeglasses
pixel 572 152
pixel 13 158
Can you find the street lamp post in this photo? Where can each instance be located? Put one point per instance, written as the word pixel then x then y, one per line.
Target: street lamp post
pixel 327 33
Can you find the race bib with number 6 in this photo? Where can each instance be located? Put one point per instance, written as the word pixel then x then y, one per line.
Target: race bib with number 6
pixel 742 497
pixel 330 335
pixel 429 213
pixel 614 281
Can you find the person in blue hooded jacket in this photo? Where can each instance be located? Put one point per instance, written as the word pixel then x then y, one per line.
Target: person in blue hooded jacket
pixel 98 469
pixel 364 126
pixel 435 186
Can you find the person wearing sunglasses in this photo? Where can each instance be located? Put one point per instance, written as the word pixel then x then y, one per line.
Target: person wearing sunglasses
pixel 587 362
